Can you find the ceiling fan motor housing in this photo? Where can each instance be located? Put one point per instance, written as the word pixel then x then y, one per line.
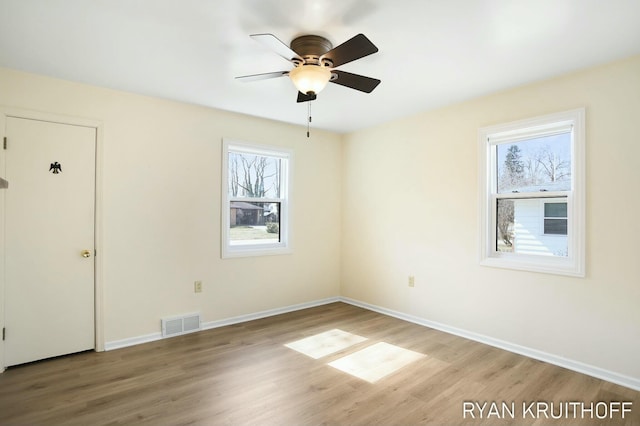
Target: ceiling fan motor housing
pixel 311 48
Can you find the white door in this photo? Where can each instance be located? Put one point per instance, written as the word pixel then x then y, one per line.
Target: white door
pixel 49 239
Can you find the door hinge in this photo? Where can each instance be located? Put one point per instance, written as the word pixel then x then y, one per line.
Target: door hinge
pixel 4 333
pixel 4 143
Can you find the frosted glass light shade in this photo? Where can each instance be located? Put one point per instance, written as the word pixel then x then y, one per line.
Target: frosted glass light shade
pixel 310 79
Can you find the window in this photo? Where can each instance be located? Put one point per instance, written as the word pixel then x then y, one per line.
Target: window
pixel 555 218
pixel 255 199
pixel 532 194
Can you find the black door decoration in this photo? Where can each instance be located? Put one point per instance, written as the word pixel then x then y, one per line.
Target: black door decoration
pixel 55 168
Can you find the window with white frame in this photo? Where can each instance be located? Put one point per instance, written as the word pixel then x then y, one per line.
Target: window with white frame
pixel 255 200
pixel 532 194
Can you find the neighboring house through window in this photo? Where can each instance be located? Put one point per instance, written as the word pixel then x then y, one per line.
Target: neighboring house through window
pixel 255 200
pixel 532 192
pixel 555 218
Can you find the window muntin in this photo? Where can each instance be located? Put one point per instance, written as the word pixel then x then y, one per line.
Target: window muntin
pixel 532 203
pixel 255 200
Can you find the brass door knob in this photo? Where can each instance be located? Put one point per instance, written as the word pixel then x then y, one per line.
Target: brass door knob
pixel 86 253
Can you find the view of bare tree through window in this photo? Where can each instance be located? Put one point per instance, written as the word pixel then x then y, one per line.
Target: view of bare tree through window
pixel 254 176
pixel 505 225
pixel 534 165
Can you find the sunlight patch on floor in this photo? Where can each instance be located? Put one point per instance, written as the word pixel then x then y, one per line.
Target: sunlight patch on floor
pixel 326 343
pixel 376 361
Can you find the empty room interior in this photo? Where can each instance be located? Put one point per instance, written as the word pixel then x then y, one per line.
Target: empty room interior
pixel 317 212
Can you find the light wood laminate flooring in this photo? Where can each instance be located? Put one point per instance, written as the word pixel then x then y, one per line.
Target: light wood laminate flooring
pixel 244 374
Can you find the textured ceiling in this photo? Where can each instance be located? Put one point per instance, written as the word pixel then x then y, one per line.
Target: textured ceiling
pixel 432 52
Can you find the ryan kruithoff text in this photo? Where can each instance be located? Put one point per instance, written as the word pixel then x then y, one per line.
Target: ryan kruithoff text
pixel 546 410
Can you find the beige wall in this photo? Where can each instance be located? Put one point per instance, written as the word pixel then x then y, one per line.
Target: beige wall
pixel 161 206
pixel 410 207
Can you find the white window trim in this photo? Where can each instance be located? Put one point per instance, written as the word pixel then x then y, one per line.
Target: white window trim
pixel 247 250
pixel 574 263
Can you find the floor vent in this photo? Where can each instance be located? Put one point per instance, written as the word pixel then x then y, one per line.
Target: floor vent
pixel 174 326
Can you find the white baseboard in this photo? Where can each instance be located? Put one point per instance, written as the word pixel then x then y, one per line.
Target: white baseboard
pixel 132 341
pixel 590 370
pixel 268 313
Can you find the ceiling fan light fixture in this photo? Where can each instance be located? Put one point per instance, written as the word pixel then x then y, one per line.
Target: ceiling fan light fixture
pixel 310 79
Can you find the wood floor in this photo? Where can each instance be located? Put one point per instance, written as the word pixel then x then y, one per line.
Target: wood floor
pixel 244 375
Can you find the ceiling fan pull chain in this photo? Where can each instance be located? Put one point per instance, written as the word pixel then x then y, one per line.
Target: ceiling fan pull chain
pixel 309 121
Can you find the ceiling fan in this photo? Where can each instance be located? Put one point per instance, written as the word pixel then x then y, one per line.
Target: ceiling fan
pixel 315 61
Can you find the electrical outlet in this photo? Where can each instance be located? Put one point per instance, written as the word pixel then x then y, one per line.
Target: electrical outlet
pixel 197 286
pixel 412 281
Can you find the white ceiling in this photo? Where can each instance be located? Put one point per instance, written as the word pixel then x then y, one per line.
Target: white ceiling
pixel 432 52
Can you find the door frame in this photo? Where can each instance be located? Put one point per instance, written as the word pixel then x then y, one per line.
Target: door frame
pixel 6 112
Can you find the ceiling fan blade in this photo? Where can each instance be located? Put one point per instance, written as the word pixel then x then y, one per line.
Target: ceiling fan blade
pixel 274 43
pixel 355 81
pixel 265 76
pixel 352 49
pixel 306 98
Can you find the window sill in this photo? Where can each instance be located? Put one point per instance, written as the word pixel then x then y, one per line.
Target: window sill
pixel 253 251
pixel 541 264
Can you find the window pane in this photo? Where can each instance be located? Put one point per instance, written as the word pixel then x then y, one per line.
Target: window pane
pixel 254 176
pixel 555 210
pixel 521 228
pixel 254 223
pixel 555 226
pixel 534 165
